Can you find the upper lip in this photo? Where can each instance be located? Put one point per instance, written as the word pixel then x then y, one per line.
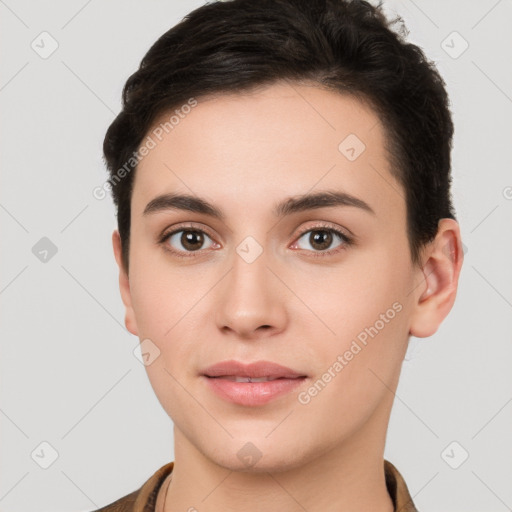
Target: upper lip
pixel 257 369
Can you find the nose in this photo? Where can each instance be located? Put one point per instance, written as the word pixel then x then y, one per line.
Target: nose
pixel 250 303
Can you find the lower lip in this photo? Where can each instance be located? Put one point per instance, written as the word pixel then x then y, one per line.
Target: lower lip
pixel 252 393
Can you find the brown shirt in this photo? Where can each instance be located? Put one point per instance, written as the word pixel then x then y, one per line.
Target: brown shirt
pixel 144 498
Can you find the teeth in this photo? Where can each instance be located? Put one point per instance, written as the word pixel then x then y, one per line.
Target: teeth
pixel 251 379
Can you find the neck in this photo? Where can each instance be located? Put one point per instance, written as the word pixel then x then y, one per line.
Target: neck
pixel 347 477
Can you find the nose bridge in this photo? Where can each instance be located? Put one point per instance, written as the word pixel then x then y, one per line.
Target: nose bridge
pixel 249 274
pixel 250 298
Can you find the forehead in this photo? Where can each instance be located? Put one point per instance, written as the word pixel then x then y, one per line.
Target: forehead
pixel 286 139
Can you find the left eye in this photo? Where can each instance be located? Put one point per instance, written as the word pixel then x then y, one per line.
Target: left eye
pixel 320 239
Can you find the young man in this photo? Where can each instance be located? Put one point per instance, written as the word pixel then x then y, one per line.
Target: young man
pixel 281 170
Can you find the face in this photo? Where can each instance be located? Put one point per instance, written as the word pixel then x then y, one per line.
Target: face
pixel 325 289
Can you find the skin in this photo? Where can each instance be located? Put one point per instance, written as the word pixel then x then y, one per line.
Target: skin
pixel 244 153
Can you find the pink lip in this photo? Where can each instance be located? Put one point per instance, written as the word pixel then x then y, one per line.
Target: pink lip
pixel 251 393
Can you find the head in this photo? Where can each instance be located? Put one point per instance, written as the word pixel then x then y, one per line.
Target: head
pixel 313 145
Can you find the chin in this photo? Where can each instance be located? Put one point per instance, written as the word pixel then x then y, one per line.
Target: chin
pixel 257 457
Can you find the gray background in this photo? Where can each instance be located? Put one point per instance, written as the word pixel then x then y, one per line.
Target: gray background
pixel 69 374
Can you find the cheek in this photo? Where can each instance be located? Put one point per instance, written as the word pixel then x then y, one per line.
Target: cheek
pixel 159 293
pixel 166 317
pixel 348 298
pixel 167 307
pixel 360 365
pixel 361 310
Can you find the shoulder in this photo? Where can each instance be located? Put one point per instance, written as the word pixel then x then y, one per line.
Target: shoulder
pixel 142 499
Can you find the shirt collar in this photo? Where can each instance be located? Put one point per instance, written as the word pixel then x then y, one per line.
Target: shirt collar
pixel 397 489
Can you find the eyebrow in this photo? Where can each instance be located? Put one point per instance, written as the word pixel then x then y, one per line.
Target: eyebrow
pixel 289 206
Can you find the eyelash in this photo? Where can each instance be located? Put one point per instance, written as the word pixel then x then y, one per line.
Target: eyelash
pixel 347 241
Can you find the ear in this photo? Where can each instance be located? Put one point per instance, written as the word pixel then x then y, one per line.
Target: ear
pixel 433 300
pixel 124 285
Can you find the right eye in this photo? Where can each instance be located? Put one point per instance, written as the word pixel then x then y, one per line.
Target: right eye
pixel 184 241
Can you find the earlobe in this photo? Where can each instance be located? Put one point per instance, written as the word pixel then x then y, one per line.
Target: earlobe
pixel 440 273
pixel 124 284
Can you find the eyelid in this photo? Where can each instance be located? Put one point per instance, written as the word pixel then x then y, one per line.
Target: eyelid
pixel 183 227
pixel 326 225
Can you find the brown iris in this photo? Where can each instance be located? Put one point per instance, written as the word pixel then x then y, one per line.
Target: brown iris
pixel 320 239
pixel 192 240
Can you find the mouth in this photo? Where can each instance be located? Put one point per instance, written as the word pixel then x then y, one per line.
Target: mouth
pixel 253 384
